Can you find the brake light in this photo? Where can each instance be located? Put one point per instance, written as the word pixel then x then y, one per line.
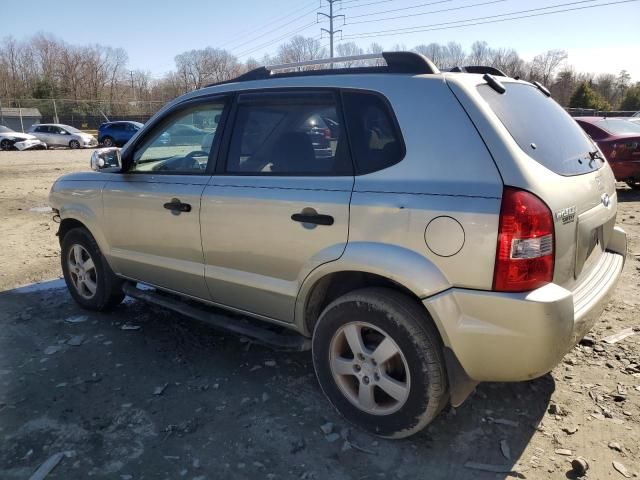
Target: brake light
pixel 525 251
pixel 327 133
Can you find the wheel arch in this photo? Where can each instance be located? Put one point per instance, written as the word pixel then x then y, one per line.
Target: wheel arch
pixel 365 264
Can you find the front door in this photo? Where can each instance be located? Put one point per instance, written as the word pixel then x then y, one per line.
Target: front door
pixel 279 205
pixel 153 210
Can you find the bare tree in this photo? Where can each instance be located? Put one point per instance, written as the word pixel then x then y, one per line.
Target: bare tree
pixel 544 66
pixel 300 49
pixel 350 49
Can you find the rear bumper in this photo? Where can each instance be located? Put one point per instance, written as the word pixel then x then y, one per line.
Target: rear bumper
pixel 518 336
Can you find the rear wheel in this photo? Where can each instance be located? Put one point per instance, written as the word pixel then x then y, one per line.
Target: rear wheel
pixel 89 278
pixel 108 142
pixel 73 144
pixel 379 361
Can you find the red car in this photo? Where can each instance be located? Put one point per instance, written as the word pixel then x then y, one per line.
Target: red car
pixel 619 140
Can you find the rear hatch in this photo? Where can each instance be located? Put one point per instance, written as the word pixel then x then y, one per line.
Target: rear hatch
pixel 554 158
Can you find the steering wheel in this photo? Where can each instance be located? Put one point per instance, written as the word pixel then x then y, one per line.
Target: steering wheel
pixel 188 162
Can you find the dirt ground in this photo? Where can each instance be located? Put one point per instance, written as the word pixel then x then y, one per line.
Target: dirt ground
pixel 142 393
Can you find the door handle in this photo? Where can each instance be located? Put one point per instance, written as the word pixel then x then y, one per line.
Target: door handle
pixel 314 218
pixel 176 206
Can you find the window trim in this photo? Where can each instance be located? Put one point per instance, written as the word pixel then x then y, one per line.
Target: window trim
pixel 165 119
pixel 221 166
pixel 394 123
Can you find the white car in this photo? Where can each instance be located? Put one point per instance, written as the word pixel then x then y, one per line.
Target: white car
pixel 10 140
pixel 58 135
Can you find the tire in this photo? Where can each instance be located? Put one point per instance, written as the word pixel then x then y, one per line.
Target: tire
pixel 6 145
pixel 74 144
pixel 101 289
pixel 377 315
pixel 108 142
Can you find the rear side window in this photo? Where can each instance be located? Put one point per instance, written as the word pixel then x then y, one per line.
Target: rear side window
pixel 288 133
pixel 542 128
pixel 375 139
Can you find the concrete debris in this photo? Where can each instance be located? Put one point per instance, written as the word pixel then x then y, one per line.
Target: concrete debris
pixel 270 363
pixel 52 349
pixel 503 421
pixel 47 467
pixel 563 451
pixel 76 340
pixel 621 469
pixel 504 448
pixel 486 467
pixel 77 319
pixel 327 428
pixel 265 397
pixel 588 341
pixel 570 430
pixel 580 466
pixel 621 335
pixel 160 390
pixel 127 326
pixel 615 446
pixel 332 437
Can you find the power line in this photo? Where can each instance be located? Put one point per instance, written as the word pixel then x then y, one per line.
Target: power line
pixel 258 37
pixel 425 28
pixel 271 42
pixel 270 22
pixel 367 4
pixel 418 13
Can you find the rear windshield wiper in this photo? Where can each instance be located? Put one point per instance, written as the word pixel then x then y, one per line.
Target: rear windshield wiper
pixel 593 155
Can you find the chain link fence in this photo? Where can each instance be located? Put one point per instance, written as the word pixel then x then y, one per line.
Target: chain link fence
pixel 82 114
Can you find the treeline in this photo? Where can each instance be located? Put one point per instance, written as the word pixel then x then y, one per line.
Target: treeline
pixel 44 67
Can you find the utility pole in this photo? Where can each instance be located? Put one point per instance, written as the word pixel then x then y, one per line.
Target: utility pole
pixel 133 89
pixel 331 31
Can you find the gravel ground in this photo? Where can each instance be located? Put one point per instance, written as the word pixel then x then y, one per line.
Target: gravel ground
pixel 142 393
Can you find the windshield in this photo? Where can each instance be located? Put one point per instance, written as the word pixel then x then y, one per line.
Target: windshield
pixel 542 128
pixel 4 129
pixel 618 126
pixel 71 129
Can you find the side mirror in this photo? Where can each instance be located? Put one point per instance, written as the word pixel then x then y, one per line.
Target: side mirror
pixel 106 159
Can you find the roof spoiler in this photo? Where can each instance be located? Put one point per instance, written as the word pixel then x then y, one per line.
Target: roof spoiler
pixel 482 69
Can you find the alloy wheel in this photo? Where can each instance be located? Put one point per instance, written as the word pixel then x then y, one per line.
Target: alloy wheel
pixel 82 271
pixel 369 368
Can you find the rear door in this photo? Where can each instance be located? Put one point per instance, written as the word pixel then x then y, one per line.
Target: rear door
pixel 152 211
pixel 278 205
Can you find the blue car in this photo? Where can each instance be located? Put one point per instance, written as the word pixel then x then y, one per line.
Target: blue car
pixel 116 134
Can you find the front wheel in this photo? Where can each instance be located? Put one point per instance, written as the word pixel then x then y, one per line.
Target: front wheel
pixel 108 142
pixel 379 361
pixel 74 144
pixel 6 145
pixel 90 280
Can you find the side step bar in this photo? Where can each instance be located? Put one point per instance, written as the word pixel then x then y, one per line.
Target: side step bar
pixel 289 341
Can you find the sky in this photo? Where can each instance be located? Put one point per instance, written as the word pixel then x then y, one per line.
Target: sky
pixel 598 40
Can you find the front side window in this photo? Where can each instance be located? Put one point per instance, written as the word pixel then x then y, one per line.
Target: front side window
pixel 183 144
pixel 375 141
pixel 288 134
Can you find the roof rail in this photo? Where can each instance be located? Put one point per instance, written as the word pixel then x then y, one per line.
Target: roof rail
pixel 479 69
pixel 397 62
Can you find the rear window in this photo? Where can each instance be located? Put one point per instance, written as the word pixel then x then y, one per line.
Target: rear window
pixel 375 140
pixel 542 128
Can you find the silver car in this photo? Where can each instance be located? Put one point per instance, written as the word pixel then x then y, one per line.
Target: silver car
pixel 59 135
pixel 461 230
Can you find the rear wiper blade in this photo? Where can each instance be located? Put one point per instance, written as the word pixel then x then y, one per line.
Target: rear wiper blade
pixel 593 155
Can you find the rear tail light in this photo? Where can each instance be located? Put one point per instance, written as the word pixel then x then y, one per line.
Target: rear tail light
pixel 327 133
pixel 525 252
